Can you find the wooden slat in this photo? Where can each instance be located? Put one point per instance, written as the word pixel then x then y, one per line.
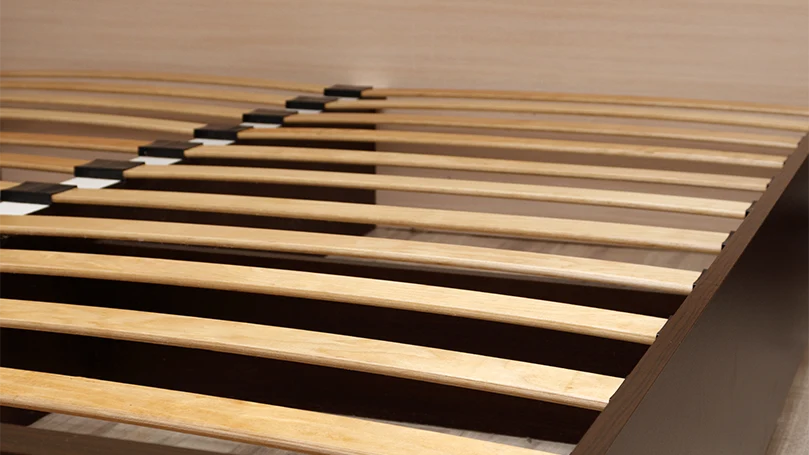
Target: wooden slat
pixel 231 114
pixel 515 191
pixel 411 160
pixel 336 288
pixel 172 77
pixel 234 420
pixel 39 162
pixel 511 143
pixel 115 121
pixel 104 144
pixel 607 129
pixel 477 372
pixel 258 99
pixel 707 117
pixel 470 222
pixel 601 272
pixel 735 106
pixel 346 118
pixel 427 93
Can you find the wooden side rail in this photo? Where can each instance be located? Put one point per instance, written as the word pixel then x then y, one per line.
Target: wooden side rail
pixel 421 92
pixel 335 288
pixel 637 276
pixel 533 107
pixel 469 222
pixel 409 137
pixel 410 160
pixel 232 114
pixel 234 420
pixel 489 374
pixel 515 191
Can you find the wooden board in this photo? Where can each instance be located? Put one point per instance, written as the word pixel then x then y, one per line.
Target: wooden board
pixel 564 267
pixel 253 423
pixel 514 191
pixel 360 291
pixel 470 222
pixel 410 160
pixel 532 144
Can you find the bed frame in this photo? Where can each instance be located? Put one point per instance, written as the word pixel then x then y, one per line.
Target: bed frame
pixel 226 286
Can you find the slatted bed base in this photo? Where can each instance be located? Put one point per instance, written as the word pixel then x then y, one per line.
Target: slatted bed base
pixel 231 281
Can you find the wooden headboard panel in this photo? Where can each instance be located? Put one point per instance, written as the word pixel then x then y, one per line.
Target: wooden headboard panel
pixel 754 50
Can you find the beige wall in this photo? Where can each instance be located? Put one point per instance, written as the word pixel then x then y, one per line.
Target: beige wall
pixel 754 50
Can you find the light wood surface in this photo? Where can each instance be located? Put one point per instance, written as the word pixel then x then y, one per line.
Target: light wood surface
pixel 115 121
pixel 229 114
pixel 39 162
pixel 570 195
pixel 336 288
pixel 346 118
pixel 425 92
pixel 636 112
pixel 639 131
pixel 409 137
pixel 469 222
pixel 508 377
pixel 589 98
pixel 173 77
pixel 411 160
pixel 178 91
pixel 273 426
pixel 660 279
pixel 533 144
pixel 105 144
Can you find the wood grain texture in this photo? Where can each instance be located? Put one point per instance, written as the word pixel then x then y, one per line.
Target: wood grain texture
pixel 634 112
pixel 414 160
pixel 259 99
pixel 38 162
pixel 589 98
pixel 106 144
pixel 347 118
pixel 522 379
pixel 533 144
pixel 614 273
pixel 571 195
pixel 234 420
pixel 426 92
pixel 639 131
pixel 469 222
pixel 116 121
pixel 408 160
pixel 336 288
pixel 232 114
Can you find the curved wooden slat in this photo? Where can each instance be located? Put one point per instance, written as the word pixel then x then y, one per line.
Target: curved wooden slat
pixel 409 160
pixel 258 99
pixel 410 137
pixel 346 118
pixel 707 117
pixel 639 131
pixel 115 121
pixel 427 93
pixel 737 106
pixel 470 222
pixel 515 191
pixel 104 144
pixel 489 374
pixel 172 77
pixel 637 276
pixel 511 143
pixel 232 114
pixel 336 288
pixel 240 421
